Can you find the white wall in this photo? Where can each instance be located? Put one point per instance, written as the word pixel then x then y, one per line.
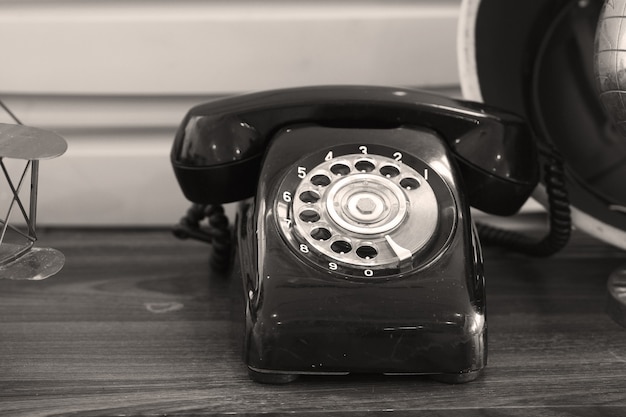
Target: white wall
pixel 116 77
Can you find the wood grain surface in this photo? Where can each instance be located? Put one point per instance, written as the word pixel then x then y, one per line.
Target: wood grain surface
pixel 135 325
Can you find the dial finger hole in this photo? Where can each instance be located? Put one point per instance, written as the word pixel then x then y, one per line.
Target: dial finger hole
pixel 367 252
pixel 341 246
pixel 340 169
pixel 389 171
pixel 364 165
pixel 321 233
pixel 309 216
pixel 309 196
pixel 320 180
pixel 410 183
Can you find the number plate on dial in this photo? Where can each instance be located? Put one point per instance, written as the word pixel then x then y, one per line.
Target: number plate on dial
pixel 365 211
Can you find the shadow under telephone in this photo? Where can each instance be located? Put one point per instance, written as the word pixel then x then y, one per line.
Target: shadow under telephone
pixel 356 246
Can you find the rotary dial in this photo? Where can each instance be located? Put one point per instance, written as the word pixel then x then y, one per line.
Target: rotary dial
pixel 361 213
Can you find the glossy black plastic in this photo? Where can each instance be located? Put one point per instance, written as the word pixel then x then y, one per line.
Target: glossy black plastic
pixel 317 313
pixel 218 149
pixel 303 319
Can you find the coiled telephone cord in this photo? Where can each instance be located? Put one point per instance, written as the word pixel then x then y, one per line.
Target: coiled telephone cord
pixel 560 224
pixel 217 232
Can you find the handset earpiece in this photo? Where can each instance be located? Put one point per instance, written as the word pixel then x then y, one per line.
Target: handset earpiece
pixel 219 146
pixel 499 164
pixel 217 158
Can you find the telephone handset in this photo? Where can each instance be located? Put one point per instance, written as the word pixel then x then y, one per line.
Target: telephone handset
pixel 357 252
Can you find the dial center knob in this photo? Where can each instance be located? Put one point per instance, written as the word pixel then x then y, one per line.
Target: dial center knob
pixel 366 207
pixel 367 204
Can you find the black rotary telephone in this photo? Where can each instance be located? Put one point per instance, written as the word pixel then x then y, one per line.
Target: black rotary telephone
pixel 356 246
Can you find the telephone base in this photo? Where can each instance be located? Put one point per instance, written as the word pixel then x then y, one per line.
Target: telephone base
pixel 616 305
pixel 457 378
pixel 272 378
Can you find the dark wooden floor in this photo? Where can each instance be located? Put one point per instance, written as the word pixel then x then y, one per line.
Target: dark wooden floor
pixel 134 325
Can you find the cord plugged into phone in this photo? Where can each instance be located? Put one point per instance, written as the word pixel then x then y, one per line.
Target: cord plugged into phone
pixel 354 236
